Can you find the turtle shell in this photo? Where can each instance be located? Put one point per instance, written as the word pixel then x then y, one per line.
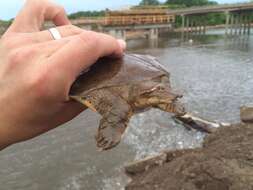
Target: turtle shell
pixel 106 72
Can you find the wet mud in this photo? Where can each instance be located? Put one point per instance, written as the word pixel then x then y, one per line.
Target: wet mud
pixel 225 162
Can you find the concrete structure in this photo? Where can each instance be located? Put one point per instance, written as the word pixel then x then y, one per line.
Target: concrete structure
pixel 238 17
pixel 149 20
pixel 213 9
pixel 118 23
pixel 152 30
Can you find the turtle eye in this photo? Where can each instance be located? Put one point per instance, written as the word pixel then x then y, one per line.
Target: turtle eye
pixel 160 88
pixel 157 88
pixel 154 89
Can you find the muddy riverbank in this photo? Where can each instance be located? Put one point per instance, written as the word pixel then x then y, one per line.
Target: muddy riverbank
pixel 224 163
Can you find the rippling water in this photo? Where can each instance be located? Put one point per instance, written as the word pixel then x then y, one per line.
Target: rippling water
pixel 214 73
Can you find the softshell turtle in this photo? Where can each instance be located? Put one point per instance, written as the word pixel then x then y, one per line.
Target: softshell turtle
pixel 119 88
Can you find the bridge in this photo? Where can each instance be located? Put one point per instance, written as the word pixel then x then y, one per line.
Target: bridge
pixel 117 23
pixel 238 17
pixel 212 9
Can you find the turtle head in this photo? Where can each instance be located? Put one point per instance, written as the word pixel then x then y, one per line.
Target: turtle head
pixel 159 95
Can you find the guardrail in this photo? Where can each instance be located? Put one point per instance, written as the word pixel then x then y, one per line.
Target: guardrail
pixel 212 8
pixel 126 20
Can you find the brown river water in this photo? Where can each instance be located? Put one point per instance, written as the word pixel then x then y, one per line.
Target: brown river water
pixel 214 73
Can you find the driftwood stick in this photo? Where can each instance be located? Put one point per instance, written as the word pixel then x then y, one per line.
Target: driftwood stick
pixel 200 124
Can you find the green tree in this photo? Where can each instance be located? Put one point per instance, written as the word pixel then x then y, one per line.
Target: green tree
pixel 190 3
pixel 86 14
pixel 210 19
pixel 5 23
pixel 149 2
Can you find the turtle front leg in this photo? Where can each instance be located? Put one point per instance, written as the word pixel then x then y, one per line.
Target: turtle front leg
pixel 113 124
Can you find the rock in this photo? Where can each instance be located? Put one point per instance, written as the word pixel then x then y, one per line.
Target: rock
pixel 247 114
pixel 144 165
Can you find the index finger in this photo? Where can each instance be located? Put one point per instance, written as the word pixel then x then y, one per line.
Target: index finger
pixel 35 12
pixel 83 51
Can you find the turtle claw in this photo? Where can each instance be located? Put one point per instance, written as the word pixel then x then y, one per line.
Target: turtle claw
pixel 99 139
pixel 105 144
pixel 110 133
pixel 110 145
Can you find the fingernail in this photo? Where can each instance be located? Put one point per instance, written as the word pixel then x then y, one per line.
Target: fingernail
pixel 122 43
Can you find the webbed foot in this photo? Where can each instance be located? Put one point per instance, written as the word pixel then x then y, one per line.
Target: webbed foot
pixel 109 134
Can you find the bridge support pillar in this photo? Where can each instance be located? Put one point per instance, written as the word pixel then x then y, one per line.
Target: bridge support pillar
pixel 153 33
pixel 183 23
pixel 245 24
pixel 238 24
pixel 112 32
pixel 249 24
pixel 227 21
pixel 184 27
pixel 187 28
pixel 231 27
pixel 204 29
pixel 193 25
pixel 120 34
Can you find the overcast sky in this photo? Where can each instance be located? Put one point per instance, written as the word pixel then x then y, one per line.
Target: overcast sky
pixel 9 8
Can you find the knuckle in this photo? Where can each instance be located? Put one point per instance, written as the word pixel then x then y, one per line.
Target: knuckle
pixel 19 55
pixel 42 83
pixel 39 83
pixel 14 57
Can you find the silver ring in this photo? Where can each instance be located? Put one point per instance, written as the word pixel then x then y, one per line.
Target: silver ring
pixel 55 33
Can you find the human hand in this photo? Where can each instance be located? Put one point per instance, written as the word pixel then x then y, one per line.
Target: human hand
pixel 36 72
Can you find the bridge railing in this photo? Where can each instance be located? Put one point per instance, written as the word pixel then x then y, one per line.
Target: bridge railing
pixel 134 20
pixel 125 20
pixel 154 11
pixel 211 8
